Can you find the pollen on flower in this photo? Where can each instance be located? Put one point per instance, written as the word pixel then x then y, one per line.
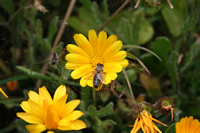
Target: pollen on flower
pixel 96 60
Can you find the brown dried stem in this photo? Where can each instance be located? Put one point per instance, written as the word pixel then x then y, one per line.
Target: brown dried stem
pixel 113 15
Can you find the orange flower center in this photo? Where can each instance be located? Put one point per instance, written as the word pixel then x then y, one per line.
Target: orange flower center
pixel 95 60
pixel 52 118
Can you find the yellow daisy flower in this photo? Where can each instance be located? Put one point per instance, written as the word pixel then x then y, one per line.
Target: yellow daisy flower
pixel 188 125
pixel 146 123
pixel 94 53
pixel 3 93
pixel 45 113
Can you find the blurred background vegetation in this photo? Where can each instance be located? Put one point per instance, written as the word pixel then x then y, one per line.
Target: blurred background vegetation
pixel 27 36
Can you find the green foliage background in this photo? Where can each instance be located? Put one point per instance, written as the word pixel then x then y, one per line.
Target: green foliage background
pixel 27 36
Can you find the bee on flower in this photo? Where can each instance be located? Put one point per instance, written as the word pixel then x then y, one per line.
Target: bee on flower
pixel 95 60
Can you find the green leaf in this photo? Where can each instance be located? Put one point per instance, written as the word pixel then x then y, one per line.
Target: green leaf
pixel 174 20
pixel 33 74
pixel 161 47
pixel 8 6
pixel 106 110
pixel 146 32
pixel 20 77
pixel 92 111
pixel 53 28
pixel 85 93
pixel 171 128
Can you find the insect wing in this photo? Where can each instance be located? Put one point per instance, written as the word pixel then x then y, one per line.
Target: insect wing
pixel 101 77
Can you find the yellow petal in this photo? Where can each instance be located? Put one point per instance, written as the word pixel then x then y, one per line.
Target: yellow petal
pixel 90 82
pixel 123 63
pixel 38 128
pixel 107 79
pixel 36 109
pixel 117 57
pixel 111 40
pixel 112 50
pixel 112 67
pixel 76 58
pixel 101 42
pixel 74 115
pixel 75 125
pixel 60 92
pixel 50 131
pixel 59 104
pixel 82 42
pixel 72 66
pixel 34 96
pixel 3 93
pixel 44 94
pixel 69 107
pixel 178 127
pixel 81 71
pixel 83 82
pixel 92 36
pixel 77 50
pixel 112 75
pixel 25 106
pixel 195 124
pixel 30 118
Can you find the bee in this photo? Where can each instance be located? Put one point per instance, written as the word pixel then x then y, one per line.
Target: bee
pixel 98 78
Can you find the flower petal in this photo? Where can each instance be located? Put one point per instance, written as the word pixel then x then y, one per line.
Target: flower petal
pixel 60 92
pixel 112 67
pixel 72 66
pixel 92 36
pixel 123 63
pixel 117 57
pixel 76 50
pixel 3 93
pixel 76 58
pixel 59 104
pixel 30 118
pixel 75 125
pixel 34 96
pixel 69 107
pixel 112 50
pixel 74 115
pixel 82 42
pixel 38 128
pixel 36 109
pixel 25 106
pixel 101 43
pixel 44 94
pixel 83 82
pixel 111 39
pixel 81 71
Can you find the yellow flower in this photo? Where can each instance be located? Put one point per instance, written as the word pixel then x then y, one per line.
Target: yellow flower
pixel 188 125
pixel 45 113
pixel 83 59
pixel 3 93
pixel 145 123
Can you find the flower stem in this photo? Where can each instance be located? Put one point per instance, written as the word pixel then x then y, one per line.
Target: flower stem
pixel 94 96
pixel 113 15
pixel 129 85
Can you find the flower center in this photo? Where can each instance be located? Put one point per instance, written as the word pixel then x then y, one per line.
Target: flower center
pixel 52 118
pixel 95 60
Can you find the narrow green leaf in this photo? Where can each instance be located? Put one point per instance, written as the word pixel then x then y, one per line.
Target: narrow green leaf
pixel 142 48
pixel 53 28
pixel 33 74
pixel 20 77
